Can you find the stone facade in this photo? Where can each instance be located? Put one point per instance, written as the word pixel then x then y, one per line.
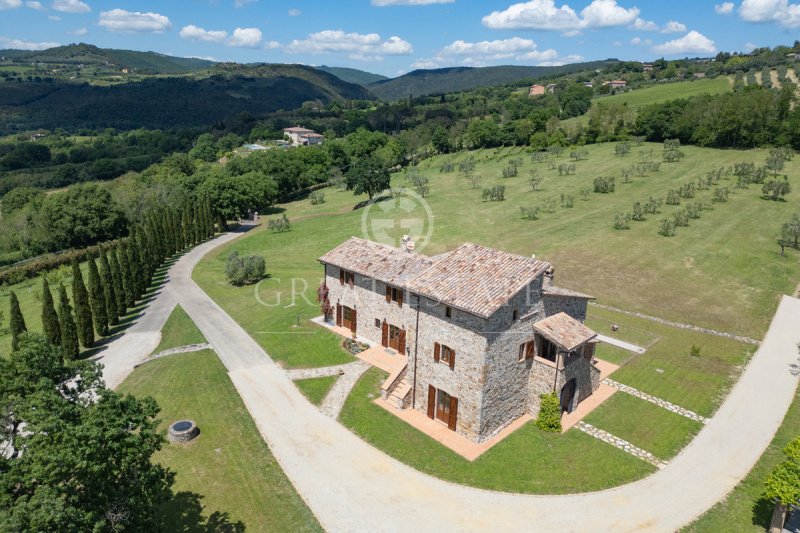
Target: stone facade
pixel 493 386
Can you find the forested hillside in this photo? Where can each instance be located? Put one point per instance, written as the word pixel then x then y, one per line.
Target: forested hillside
pixel 353 75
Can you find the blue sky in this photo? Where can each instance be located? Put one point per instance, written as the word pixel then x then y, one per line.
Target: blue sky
pixel 391 37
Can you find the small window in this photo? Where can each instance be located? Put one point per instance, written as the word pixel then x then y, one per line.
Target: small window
pixel 515 315
pixel 346 276
pixel 549 350
pixel 378 323
pixel 448 312
pixel 447 354
pixel 526 351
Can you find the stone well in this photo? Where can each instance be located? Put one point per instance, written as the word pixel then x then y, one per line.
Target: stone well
pixel 183 431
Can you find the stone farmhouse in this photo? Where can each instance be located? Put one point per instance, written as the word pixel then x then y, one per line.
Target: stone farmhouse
pixel 481 333
pixel 536 90
pixel 300 136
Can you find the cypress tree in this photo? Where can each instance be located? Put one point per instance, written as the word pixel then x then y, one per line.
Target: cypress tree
pixel 83 310
pixel 119 286
pixel 185 234
pixel 142 249
pixel 109 291
pixel 50 325
pixel 17 322
pixel 198 225
pixel 135 264
pixel 127 275
pixel 69 331
pixel 97 298
pixel 209 218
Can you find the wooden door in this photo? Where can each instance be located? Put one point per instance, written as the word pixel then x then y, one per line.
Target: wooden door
pixel 385 334
pixel 443 406
pixel 394 337
pixel 339 315
pixel 431 401
pixel 349 318
pixel 451 423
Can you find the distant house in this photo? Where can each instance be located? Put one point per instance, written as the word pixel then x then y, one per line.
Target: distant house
pixel 792 55
pixel 615 84
pixel 699 75
pixel 647 67
pixel 300 136
pixel 125 71
pixel 551 87
pixel 588 84
pixel 536 90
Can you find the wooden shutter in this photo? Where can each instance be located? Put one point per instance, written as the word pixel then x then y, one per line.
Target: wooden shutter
pixel 339 315
pixel 402 341
pixel 452 358
pixel 355 321
pixel 384 334
pixel 453 413
pixel 521 355
pixel 341 276
pixel 529 349
pixel 400 297
pixel 436 350
pixel 431 401
pixel 388 294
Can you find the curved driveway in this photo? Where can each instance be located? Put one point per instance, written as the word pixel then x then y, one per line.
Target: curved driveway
pixel 349 485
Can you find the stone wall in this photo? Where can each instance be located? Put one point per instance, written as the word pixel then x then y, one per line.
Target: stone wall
pixel 574 307
pixel 464 333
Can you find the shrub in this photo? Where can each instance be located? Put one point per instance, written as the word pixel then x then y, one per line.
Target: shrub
pixel 622 221
pixel 279 225
pixel 694 351
pixel 667 228
pixel 317 197
pixel 776 189
pixel 530 213
pixel 604 185
pixel 567 200
pixel 680 218
pixel 549 413
pixel 673 198
pixel 687 190
pixel 720 194
pixel 244 270
pixel 495 194
pixel 638 212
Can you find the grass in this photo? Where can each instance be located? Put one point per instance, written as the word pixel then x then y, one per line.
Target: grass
pixel 668 371
pixel 663 92
pixel 315 389
pixel 527 461
pixel 644 424
pixel 227 474
pixel 179 330
pixel 744 509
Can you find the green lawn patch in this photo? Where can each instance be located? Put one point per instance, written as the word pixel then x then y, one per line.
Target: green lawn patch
pixel 527 461
pixel 179 330
pixel 644 424
pixel 315 389
pixel 227 474
pixel 612 354
pixel 744 509
pixel 664 92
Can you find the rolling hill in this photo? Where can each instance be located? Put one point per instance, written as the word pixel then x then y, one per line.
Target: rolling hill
pixel 446 80
pixel 87 54
pixel 353 75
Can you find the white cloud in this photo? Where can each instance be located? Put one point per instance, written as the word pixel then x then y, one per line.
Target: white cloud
pixel 242 3
pixel 382 3
pixel 574 58
pixel 18 44
pixel 295 12
pixel 53 17
pixel 195 33
pixel 10 4
pixel 35 5
pixel 79 31
pixel 359 46
pixel 749 47
pixel 673 27
pixel 639 41
pixel 644 25
pixel 426 64
pixel 71 6
pixel 513 48
pixel 692 42
pixel 545 15
pixel 780 11
pixel 245 38
pixel 120 20
pixel 725 8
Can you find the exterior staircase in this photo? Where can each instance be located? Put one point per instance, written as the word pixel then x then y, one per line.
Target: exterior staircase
pixel 399 394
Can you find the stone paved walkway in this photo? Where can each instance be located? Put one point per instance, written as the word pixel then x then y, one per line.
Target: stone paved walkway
pixel 677 409
pixel 620 344
pixel 622 444
pixel 172 351
pixel 321 372
pixel 680 325
pixel 334 400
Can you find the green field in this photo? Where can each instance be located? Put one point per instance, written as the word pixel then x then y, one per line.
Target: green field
pixel 663 92
pixel 510 465
pixel 315 389
pixel 227 479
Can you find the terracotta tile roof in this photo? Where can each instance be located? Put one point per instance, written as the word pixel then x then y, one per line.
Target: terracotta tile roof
pixel 378 261
pixel 552 290
pixel 477 279
pixel 564 330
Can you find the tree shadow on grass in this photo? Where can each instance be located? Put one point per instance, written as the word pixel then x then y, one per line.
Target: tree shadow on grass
pixel 762 512
pixel 184 513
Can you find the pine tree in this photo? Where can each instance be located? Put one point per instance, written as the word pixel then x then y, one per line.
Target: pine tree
pixel 119 284
pixel 69 331
pixel 17 322
pixel 109 291
pixel 83 310
pixel 123 260
pixel 97 298
pixel 50 325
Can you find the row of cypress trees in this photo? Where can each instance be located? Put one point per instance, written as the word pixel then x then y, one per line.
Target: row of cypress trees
pixel 126 270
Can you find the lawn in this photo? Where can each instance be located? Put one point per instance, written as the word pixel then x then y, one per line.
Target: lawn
pixel 527 461
pixel 644 424
pixel 179 330
pixel 664 92
pixel 315 389
pixel 744 509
